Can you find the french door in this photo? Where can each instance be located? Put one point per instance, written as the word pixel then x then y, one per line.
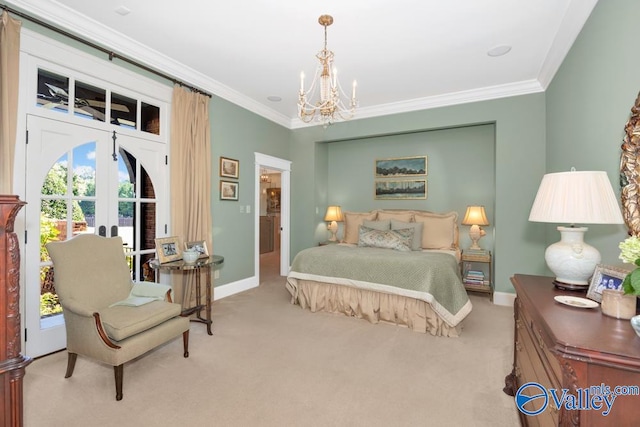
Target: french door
pixel 81 179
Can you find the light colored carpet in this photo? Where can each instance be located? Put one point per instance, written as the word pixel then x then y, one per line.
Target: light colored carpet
pixel 269 363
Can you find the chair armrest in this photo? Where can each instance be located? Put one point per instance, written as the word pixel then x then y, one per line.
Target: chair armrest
pixel 73 306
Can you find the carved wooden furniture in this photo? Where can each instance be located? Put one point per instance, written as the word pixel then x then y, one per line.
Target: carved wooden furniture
pixel 559 346
pixel 12 363
pixel 93 281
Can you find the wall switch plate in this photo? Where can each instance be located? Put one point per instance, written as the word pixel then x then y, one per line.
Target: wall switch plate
pixel 216 274
pixel 241 208
pixel 248 208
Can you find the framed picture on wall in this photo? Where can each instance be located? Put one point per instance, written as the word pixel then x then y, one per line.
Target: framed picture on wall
pixel 401 166
pixel 410 189
pixel 273 200
pixel 229 168
pixel 228 190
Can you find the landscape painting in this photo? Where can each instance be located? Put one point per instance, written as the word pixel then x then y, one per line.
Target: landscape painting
pixel 401 190
pixel 402 166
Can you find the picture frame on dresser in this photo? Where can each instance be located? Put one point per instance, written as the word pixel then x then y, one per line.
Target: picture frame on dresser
pixel 605 277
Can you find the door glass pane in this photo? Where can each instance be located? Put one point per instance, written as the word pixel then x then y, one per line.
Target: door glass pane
pixel 124 111
pixel 136 214
pixel 150 118
pixel 67 199
pixel 53 91
pixel 90 102
pixel 148 233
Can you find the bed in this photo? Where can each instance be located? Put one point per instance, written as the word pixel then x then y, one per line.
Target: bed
pixel 393 266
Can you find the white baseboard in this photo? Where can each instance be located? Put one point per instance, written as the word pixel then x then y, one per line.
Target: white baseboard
pixel 504 298
pixel 229 289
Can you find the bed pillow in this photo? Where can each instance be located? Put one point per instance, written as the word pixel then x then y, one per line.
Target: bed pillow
pixel 416 244
pixel 352 223
pixel 399 215
pixel 399 240
pixel 439 231
pixel 378 225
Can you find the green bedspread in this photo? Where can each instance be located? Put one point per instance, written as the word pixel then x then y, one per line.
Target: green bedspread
pixel 433 277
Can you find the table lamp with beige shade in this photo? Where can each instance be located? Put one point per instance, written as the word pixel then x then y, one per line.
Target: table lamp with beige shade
pixel 475 217
pixel 333 215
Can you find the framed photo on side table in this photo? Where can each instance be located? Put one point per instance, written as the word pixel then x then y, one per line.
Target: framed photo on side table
pixel 605 277
pixel 229 168
pixel 200 246
pixel 168 249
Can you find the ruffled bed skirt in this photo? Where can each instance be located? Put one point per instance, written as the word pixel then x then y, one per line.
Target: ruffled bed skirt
pixel 370 305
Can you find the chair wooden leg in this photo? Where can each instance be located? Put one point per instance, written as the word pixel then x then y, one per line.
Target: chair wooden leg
pixel 71 364
pixel 185 342
pixel 118 371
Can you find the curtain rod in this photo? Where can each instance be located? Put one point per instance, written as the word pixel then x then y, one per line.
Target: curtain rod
pixel 110 53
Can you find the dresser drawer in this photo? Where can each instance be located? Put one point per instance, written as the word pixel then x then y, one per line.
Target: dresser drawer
pixel 549 360
pixel 530 368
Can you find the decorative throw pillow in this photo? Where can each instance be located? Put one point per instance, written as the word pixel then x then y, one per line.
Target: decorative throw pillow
pixel 440 231
pixel 416 244
pixel 378 225
pixel 352 222
pixel 398 215
pixel 399 240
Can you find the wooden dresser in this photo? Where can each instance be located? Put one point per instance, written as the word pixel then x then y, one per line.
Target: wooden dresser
pixel 563 347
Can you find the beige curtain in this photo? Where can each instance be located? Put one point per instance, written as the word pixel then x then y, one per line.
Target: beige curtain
pixel 9 59
pixel 190 171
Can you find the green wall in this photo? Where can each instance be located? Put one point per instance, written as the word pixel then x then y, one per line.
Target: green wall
pixel 588 105
pixel 450 187
pixel 519 160
pixel 237 133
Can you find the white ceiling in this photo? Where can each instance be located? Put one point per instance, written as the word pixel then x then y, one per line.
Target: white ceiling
pixel 406 55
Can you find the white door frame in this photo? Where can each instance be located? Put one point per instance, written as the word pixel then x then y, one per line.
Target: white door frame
pixel 284 166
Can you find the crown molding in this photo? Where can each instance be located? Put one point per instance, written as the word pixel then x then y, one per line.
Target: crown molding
pixel 574 19
pixel 95 32
pixel 444 100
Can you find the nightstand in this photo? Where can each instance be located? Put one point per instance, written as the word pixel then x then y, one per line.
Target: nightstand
pixel 476 271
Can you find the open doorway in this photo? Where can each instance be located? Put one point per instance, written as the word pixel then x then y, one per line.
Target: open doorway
pixel 272 216
pixel 270 212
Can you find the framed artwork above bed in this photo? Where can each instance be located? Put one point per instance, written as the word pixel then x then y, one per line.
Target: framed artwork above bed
pixel 409 189
pixel 401 166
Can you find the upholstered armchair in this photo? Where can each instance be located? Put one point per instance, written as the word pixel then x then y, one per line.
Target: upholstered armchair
pixel 107 317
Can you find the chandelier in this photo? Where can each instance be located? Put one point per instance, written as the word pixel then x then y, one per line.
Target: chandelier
pixel 330 107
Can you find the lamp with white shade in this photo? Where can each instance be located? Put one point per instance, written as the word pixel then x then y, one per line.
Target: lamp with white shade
pixel 333 215
pixel 575 197
pixel 475 217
